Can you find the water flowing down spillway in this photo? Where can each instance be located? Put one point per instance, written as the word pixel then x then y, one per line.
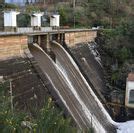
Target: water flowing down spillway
pixel 73 89
pixel 60 85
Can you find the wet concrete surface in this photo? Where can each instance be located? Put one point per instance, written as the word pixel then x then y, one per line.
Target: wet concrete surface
pixel 79 84
pixel 28 89
pixel 91 68
pixel 64 91
pixel 58 82
pixel 93 71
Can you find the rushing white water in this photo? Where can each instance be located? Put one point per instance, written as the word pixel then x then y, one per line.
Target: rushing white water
pixel 91 118
pixel 95 53
pixel 126 127
pixel 60 71
pixel 91 91
pixel 63 100
pixel 57 91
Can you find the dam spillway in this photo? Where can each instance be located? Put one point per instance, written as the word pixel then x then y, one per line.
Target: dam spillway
pixel 73 89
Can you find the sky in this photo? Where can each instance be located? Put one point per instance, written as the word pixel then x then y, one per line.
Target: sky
pixel 14 1
pixel 17 1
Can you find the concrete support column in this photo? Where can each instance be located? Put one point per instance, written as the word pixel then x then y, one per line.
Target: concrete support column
pixel 39 40
pixel 35 39
pixel 59 38
pixel 62 39
pixel 48 47
pixel 45 42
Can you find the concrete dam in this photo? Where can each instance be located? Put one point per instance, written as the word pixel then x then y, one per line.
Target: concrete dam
pixel 36 64
pixel 40 65
pixel 73 89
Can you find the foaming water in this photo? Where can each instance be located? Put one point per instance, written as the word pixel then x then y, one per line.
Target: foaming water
pixel 94 51
pixel 92 119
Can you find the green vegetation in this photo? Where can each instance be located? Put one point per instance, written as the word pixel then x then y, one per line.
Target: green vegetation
pixel 8 6
pixel 86 13
pixel 65 17
pixel 31 9
pixel 47 120
pixel 118 46
pixel 23 20
pixel 107 13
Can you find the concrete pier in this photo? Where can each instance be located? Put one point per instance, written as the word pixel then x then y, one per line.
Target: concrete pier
pixel 12 44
